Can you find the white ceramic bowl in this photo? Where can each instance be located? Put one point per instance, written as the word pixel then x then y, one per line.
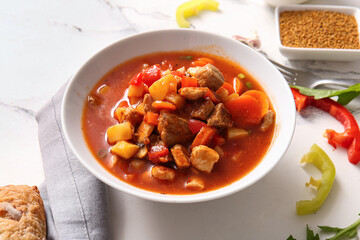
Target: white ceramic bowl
pixel 317 53
pixel 284 2
pixel 174 40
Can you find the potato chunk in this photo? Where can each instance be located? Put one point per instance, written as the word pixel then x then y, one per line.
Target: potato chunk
pixel 159 89
pixel 125 149
pixel 203 158
pixel 236 133
pixel 163 173
pixel 119 132
pixel 136 90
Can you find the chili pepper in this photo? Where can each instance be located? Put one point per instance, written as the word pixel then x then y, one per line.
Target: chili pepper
pixel 350 138
pixel 321 161
pixel 192 8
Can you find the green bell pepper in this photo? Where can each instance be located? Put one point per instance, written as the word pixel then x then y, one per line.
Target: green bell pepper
pixel 321 161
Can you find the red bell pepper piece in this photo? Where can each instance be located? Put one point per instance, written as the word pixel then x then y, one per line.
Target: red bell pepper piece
pixel 136 80
pixel 195 125
pixel 218 140
pixel 177 73
pixel 350 138
pixel 151 74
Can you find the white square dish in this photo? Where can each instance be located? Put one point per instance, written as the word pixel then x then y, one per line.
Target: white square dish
pixel 327 54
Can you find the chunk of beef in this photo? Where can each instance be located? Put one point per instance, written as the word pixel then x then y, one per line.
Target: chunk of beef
pixel 181 156
pixel 173 129
pixel 128 114
pixel 202 109
pixel 203 158
pixel 195 184
pixel 220 117
pixel 193 93
pixel 163 173
pixel 209 76
pixel 267 121
pixel 148 101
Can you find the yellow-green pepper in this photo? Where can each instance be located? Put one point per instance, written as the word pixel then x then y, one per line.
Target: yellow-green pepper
pixel 192 8
pixel 321 161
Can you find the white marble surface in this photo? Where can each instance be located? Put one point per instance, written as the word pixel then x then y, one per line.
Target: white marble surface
pixel 43 42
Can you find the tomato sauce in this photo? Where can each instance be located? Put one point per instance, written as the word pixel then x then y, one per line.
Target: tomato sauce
pixel 238 159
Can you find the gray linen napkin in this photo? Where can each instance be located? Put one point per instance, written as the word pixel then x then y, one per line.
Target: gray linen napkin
pixel 75 201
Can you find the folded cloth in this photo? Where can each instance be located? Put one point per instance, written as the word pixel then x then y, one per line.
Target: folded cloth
pixel 75 201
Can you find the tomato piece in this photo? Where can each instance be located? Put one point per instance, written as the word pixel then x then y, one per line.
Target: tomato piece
pixel 157 151
pixel 151 74
pixel 195 125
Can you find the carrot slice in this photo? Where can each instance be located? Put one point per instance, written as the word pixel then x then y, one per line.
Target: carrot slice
pixel 262 98
pixel 123 104
pixel 188 82
pixel 228 87
pixel 198 63
pixel 212 97
pixel 151 118
pixel 204 137
pixel 245 110
pixel 207 60
pixel 163 105
pixel 238 86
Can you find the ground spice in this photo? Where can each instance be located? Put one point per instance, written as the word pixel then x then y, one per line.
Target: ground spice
pixel 318 29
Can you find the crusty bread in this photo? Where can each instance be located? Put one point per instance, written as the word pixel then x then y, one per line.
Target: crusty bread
pixel 22 214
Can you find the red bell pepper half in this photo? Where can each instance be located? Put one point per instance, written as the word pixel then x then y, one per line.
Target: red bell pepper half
pixel 350 138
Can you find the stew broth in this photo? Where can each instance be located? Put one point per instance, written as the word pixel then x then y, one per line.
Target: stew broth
pixel 239 156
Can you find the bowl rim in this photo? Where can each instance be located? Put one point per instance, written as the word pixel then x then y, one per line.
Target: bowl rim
pixel 173 198
pixel 294 7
